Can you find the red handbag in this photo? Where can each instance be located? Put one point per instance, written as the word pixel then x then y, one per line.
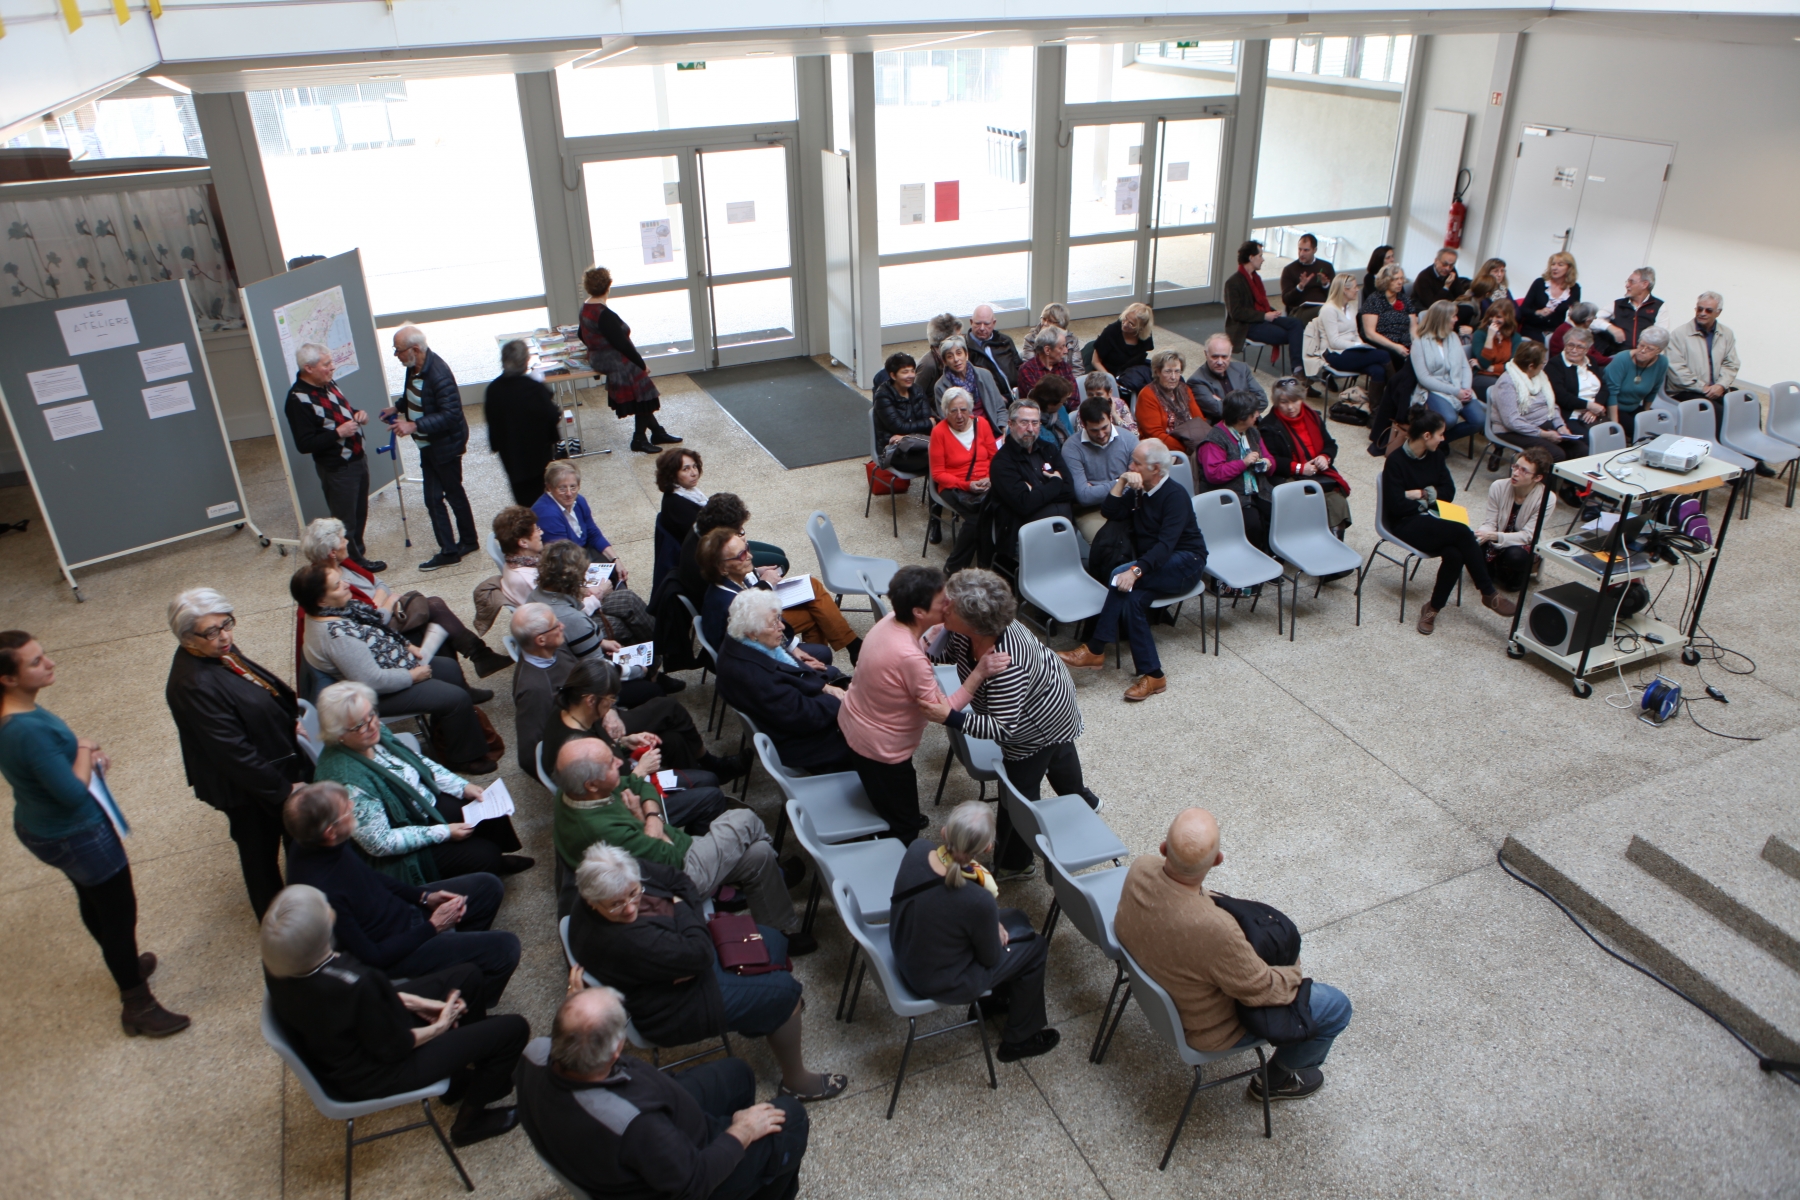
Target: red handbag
pixel 883 482
pixel 740 947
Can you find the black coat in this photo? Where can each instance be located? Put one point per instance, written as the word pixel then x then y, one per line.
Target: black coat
pixel 895 413
pixel 1161 524
pixel 523 424
pixel 999 352
pixel 238 742
pixel 1536 297
pixel 1023 491
pixel 439 413
pixel 643 958
pixel 1565 383
pixel 787 703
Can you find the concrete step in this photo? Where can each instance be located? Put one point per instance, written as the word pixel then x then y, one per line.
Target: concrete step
pixel 1740 889
pixel 1783 849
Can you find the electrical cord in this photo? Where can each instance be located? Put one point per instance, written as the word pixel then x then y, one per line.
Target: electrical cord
pixel 1787 1070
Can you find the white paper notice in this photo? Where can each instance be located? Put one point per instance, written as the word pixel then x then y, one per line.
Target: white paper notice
pixel 1134 156
pixel 169 399
pixel 740 212
pixel 659 246
pixel 495 801
pixel 72 420
pixel 667 781
pixel 795 589
pixel 1125 196
pixel 97 327
pixel 58 383
pixel 165 362
pixel 1178 172
pixel 912 204
pixel 640 655
pixel 222 510
pixel 321 319
pixel 672 194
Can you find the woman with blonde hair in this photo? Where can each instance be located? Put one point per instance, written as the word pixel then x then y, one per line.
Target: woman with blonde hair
pixel 1123 348
pixel 1446 383
pixel 1345 349
pixel 1548 298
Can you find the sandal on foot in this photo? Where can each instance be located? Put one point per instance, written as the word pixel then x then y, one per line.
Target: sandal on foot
pixel 834 1084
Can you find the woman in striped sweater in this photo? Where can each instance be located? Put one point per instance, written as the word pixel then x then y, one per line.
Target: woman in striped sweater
pixel 1028 707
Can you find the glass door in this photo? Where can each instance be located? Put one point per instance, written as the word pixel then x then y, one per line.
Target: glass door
pixel 1185 215
pixel 638 229
pixel 748 253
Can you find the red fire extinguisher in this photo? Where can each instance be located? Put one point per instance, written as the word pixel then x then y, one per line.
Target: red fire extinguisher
pixel 1458 210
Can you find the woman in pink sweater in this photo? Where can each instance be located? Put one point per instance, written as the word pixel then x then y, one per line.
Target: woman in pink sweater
pixel 896 693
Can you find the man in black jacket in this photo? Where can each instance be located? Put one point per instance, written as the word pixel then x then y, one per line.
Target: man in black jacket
pixel 1029 479
pixel 523 424
pixel 992 349
pixel 618 1127
pixel 1171 553
pixel 237 724
pixel 326 426
pixel 1439 281
pixel 430 413
pixel 1634 312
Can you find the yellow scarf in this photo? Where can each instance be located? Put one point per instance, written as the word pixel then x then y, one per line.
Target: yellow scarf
pixel 974 871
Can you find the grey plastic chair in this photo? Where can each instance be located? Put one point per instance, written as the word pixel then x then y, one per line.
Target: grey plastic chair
pixel 1743 432
pixel 310 741
pixel 847 574
pixel 839 808
pixel 1230 558
pixel 1784 424
pixel 1410 559
pixel 979 757
pixel 873 942
pixel 893 496
pixel 563 1181
pixel 1300 535
pixel 714 711
pixel 1182 470
pixel 348 1111
pixel 1495 436
pixel 1050 572
pixel 867 868
pixel 1160 1011
pixel 1606 436
pixel 631 1030
pixel 1661 401
pixel 543 776
pixel 1698 421
pixel 1090 902
pixel 1652 423
pixel 955 518
pixel 1081 838
pixel 492 546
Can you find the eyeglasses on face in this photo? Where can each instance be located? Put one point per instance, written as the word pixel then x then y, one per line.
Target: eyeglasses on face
pixel 217 631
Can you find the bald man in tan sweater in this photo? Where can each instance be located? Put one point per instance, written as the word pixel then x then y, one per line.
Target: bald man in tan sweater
pixel 1196 950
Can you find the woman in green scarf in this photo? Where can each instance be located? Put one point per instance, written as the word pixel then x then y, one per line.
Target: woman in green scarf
pixel 408 808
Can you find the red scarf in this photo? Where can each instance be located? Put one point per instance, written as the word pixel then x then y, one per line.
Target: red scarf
pixel 1309 444
pixel 1258 292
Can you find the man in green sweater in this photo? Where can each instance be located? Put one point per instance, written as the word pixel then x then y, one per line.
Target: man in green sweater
pixel 594 805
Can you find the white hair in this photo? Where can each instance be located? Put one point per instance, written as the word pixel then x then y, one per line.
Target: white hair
pixel 322 539
pixel 749 613
pixel 1156 454
pixel 342 707
pixel 606 873
pixel 296 931
pixel 530 622
pixel 186 609
pixel 410 337
pixel 1718 300
pixel 1647 274
pixel 1217 337
pixel 955 393
pixel 1656 336
pixel 309 354
pixel 969 829
pixel 1044 335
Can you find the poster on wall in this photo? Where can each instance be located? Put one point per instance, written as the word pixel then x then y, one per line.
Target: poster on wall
pixel 659 244
pixel 912 204
pixel 94 327
pixel 1125 196
pixel 322 319
pixel 949 200
pixel 1178 172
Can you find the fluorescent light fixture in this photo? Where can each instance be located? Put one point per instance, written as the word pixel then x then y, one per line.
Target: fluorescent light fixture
pixel 183 88
pixel 940 41
pixel 758 53
pixel 599 56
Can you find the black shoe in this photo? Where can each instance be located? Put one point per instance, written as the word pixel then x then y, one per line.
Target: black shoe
pixel 1765 470
pixel 1041 1042
pixel 480 695
pixel 1285 1084
pixel 801 944
pixel 482 1124
pixel 487 662
pixel 994 1006
pixel 934 533
pixel 663 437
pixel 793 870
pixel 373 566
pixel 726 766
pixel 443 558
pixel 855 649
pixel 670 685
pixel 642 445
pixel 512 864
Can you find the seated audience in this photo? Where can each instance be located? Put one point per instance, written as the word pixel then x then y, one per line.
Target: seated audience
pixel 1382 257
pixel 363 1039
pixel 660 734
pixel 938 330
pixel 683 500
pixel 1439 281
pixel 1232 457
pixel 1028 706
pixel 521 544
pixel 1103 386
pixel 524 423
pixel 419 620
pixel 819 620
pixel 616 1126
pixel 989 396
pixel 1494 342
pixel 237 722
pixel 1173 929
pixel 596 805
pixel 1097 456
pixel 1580 316
pixel 408 808
pixel 1219 375
pixel 726 556
pixel 1048 351
pixel 790 694
pixel 952 941
pixel 1169 554
pixel 1548 298
pixel 1345 349
pixel 1632 313
pixel 1389 320
pixel 1633 380
pixel 595 618
pixel 609 606
pixel 1299 445
pixel 1167 402
pixel 564 516
pixel 401 928
pixel 1123 348
pixel 1306 281
pixel 1056 400
pixel 1028 477
pixel 1441 367
pixel 1415 478
pixel 993 349
pixel 1703 357
pixel 1492 275
pixel 1058 315
pixel 962 450
pixel 1512 517
pixel 1579 386
pixel 903 417
pixel 346 639
pixel 1249 317
pixel 639 929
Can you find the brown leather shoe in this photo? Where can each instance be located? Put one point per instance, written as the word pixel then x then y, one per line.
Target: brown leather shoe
pixel 1146 686
pixel 1081 656
pixel 1504 605
pixel 140 1014
pixel 1428 618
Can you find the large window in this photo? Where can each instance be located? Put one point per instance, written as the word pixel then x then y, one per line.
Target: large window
pixel 916 292
pixel 1100 74
pixel 1353 88
pixel 134 127
pixel 617 97
pixel 470 345
pixel 426 177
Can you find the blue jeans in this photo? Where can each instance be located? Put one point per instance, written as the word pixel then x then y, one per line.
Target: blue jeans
pixel 89 857
pixel 1178 574
pixel 758 1005
pixel 1365 360
pixel 1460 420
pixel 1277 330
pixel 1331 1010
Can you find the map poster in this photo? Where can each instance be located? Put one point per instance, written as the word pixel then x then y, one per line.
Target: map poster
pixel 321 318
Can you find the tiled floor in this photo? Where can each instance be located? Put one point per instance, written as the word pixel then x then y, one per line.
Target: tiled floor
pixel 1363 776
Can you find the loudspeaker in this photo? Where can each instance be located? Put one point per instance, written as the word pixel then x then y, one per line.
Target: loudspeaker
pixel 1565 619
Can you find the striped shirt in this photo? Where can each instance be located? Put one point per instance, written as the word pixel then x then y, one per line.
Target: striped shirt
pixel 1026 707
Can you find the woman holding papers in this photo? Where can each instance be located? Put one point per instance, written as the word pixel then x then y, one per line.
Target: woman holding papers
pixel 408 808
pixel 62 822
pixel 726 564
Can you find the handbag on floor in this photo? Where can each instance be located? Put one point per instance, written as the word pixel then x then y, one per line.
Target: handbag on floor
pixel 1276 940
pixel 883 482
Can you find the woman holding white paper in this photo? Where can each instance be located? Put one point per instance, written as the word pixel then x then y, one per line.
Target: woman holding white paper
pixel 61 822
pixel 408 808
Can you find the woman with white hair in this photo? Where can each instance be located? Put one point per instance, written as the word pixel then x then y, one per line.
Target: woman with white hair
pixel 790 698
pixel 237 721
pixel 1633 380
pixel 960 371
pixel 953 942
pixel 363 1039
pixel 408 808
pixel 639 929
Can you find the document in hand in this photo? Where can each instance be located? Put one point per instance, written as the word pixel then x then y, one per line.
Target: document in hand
pixel 495 801
pixel 795 589
pixel 666 781
pixel 104 798
pixel 639 655
pixel 1452 512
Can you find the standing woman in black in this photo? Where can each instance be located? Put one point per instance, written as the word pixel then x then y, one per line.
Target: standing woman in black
pixel 1416 477
pixel 629 389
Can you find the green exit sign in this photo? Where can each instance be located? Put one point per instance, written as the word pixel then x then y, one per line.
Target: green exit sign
pixel 690 66
pixel 1187 45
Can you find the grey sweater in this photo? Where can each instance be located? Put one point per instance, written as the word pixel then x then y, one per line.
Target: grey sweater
pixel 1092 469
pixel 946 940
pixel 329 648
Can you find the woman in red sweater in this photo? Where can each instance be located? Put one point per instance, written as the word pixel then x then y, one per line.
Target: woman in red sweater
pixel 961 451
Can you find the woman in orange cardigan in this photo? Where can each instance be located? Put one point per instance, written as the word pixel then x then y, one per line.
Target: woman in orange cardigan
pixel 962 448
pixel 1166 400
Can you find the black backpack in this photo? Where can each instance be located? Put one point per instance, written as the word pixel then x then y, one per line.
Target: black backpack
pixel 1276 941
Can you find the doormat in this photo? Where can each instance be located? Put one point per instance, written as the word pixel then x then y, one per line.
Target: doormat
pixel 794 408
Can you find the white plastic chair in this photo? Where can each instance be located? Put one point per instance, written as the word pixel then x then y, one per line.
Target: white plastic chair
pixel 979 757
pixel 1050 572
pixel 867 868
pixel 838 805
pixel 1408 563
pixel 348 1111
pixel 1090 901
pixel 631 1030
pixel 1743 432
pixel 873 941
pixel 1230 558
pixel 542 774
pixel 310 741
pixel 714 710
pixel 1080 836
pixel 848 574
pixel 1300 535
pixel 492 546
pixel 893 496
